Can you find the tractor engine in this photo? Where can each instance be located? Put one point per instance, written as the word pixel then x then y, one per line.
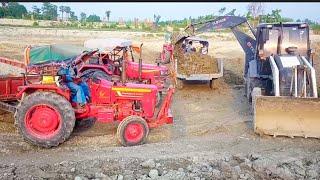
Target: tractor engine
pixel 127 108
pixel 110 102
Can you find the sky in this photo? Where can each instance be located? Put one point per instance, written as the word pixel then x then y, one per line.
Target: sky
pixel 175 10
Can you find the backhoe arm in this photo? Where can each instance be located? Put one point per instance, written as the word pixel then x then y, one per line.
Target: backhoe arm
pixel 221 22
pixel 247 43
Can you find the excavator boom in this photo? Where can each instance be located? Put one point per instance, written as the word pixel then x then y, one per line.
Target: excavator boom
pixel 221 22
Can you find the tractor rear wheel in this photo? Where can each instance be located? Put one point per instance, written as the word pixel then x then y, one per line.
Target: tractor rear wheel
pixel 45 119
pixel 132 130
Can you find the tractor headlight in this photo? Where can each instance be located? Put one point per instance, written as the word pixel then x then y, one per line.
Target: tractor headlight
pixel 164 73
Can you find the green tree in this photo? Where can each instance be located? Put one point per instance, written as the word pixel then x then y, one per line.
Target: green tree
pixel 36 12
pixel 276 15
pixel 16 10
pixel 83 17
pixel 67 10
pixel 49 11
pixel 3 12
pixel 308 21
pixel 222 10
pixel 62 10
pixel 156 19
pixel 73 17
pixel 249 16
pixel 108 12
pixel 93 18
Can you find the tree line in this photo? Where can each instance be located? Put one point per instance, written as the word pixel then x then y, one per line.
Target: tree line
pixel 255 14
pixel 47 11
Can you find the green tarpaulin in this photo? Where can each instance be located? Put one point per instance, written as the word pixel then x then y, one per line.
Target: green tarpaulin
pixel 53 53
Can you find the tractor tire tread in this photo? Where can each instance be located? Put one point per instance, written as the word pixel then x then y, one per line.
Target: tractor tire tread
pixel 124 123
pixel 66 112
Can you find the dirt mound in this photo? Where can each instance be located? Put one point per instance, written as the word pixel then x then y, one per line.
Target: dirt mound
pixel 195 62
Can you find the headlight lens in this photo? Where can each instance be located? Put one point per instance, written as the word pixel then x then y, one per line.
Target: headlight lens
pixel 163 72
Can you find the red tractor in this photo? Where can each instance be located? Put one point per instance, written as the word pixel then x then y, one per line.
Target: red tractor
pixel 113 52
pixel 166 55
pixel 45 116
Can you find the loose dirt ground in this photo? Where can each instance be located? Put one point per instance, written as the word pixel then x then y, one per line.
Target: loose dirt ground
pixel 211 138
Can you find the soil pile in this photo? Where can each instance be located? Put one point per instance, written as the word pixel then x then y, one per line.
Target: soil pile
pixel 195 62
pixel 192 63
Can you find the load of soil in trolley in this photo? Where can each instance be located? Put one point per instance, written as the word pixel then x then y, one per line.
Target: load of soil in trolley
pixel 195 62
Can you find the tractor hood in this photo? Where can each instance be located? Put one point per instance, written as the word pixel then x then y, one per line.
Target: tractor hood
pixel 145 67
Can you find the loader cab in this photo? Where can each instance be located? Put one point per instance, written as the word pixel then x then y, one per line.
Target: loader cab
pixel 281 39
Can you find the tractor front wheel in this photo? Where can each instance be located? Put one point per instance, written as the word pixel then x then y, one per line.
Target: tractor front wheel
pixel 132 130
pixel 45 119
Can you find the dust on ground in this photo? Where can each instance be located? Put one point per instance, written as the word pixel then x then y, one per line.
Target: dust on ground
pixel 211 138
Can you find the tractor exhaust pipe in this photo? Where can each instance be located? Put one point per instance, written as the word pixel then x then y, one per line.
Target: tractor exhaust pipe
pixel 140 63
pixel 123 72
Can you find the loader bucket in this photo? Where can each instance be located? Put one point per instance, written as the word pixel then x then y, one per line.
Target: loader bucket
pixel 287 116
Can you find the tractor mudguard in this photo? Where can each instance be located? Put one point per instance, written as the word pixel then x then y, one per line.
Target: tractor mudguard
pixel 40 87
pixel 103 68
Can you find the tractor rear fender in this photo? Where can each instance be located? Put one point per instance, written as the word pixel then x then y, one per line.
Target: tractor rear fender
pixel 39 87
pixel 92 66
